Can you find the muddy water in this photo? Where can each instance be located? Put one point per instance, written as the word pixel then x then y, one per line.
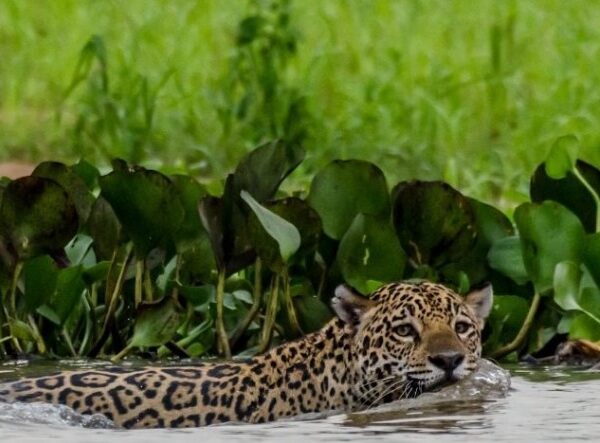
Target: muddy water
pixel 532 404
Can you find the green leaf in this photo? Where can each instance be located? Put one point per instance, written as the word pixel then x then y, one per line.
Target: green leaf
pixel 262 170
pixel 567 279
pixel 105 228
pixel 20 330
pixel 506 256
pixel 72 183
pixel 505 320
pixel 285 233
pixel 69 287
pixel 146 204
pixel 79 250
pixel 302 216
pixel 312 312
pixel 36 216
pixel 198 296
pixel 591 256
pixel 47 312
pixel 345 188
pixel 549 234
pixel 227 230
pixel 370 250
pixel 569 295
pixel 589 302
pixel 435 223
pixel 156 323
pixel 190 193
pixel 87 172
pixel 40 276
pixel 569 191
pixel 96 273
pixel 562 156
pixel 243 295
pixel 584 327
pixel 491 226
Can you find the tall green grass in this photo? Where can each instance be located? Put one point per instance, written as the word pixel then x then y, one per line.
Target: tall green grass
pixel 470 92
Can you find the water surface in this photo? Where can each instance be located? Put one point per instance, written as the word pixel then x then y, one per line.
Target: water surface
pixel 533 404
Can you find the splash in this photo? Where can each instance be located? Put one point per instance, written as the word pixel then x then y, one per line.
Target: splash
pixel 487 383
pixel 48 414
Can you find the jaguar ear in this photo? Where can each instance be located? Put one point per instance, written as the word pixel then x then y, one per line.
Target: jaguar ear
pixel 480 301
pixel 350 305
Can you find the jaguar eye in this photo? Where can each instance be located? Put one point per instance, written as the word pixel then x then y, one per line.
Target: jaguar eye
pixel 461 327
pixel 405 330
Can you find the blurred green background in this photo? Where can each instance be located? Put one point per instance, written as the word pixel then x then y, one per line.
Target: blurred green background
pixel 470 92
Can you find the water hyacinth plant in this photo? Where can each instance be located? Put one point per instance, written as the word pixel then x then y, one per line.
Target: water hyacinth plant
pixel 137 261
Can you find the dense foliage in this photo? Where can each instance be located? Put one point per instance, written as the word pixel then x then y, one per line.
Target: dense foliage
pixel 132 259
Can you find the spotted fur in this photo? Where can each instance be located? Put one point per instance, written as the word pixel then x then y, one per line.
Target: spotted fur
pixel 405 339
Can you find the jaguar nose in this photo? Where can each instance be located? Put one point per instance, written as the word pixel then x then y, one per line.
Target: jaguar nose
pixel 447 361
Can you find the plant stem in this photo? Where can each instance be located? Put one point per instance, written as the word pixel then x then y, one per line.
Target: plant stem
pixel 68 341
pixel 88 325
pixel 13 301
pixel 223 340
pixel 109 286
pixel 139 273
pixel 94 295
pixel 148 285
pixel 289 304
pixel 523 332
pixel 41 345
pixel 121 354
pixel 592 191
pixel 13 288
pixel 256 297
pixel 269 321
pixel 112 303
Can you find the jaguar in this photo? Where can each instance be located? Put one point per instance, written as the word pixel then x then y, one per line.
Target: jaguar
pixel 404 339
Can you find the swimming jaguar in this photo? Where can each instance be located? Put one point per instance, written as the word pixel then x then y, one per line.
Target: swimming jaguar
pixel 404 339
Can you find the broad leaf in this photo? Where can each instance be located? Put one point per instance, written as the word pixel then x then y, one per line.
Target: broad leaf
pixel 190 229
pixel 262 170
pixel 569 191
pixel 40 275
pixel 283 232
pixel 370 250
pixel 491 226
pixel 226 225
pixel 562 157
pixel 146 204
pixel 36 216
pixel 584 327
pixel 156 323
pixel 505 320
pixel 435 223
pixel 105 228
pixel 345 188
pixel 302 216
pixel 312 312
pixel 72 183
pixel 69 287
pixel 567 279
pixel 549 234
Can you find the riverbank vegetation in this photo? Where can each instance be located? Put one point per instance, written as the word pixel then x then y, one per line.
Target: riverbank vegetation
pixel 134 260
pixel 214 169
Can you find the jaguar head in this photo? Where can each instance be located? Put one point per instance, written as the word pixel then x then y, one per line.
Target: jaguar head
pixel 409 338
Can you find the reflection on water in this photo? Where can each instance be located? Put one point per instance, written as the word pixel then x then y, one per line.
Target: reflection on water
pixel 538 404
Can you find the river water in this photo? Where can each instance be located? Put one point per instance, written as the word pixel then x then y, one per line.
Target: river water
pixel 519 403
